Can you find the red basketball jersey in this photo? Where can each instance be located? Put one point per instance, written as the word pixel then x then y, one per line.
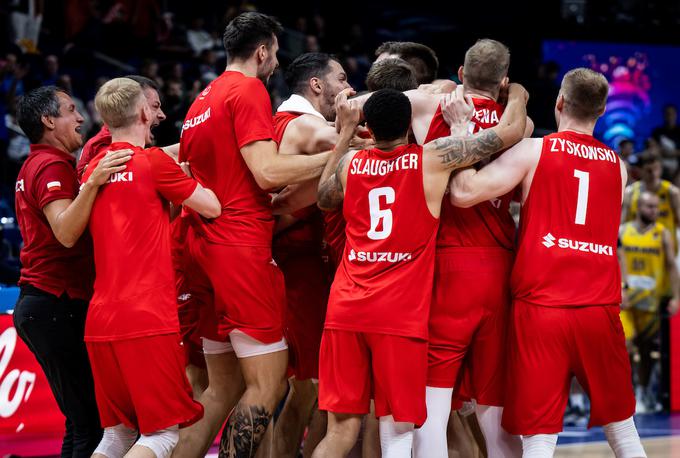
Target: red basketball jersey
pixel 307 232
pixel 488 224
pixel 569 225
pixel 384 282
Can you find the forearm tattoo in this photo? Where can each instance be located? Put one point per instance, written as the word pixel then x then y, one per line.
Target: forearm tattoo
pixel 244 432
pixel 465 151
pixel 330 192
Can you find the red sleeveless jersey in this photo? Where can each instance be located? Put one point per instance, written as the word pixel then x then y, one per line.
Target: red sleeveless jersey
pixel 384 282
pixel 307 232
pixel 569 225
pixel 488 224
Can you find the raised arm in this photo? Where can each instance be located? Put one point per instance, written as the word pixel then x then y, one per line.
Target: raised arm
pixel 331 194
pixel 457 152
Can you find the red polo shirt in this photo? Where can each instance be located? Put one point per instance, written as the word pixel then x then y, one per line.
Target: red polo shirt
pixel 48 175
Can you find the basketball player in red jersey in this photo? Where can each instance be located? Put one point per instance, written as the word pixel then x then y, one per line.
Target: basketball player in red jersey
pixel 228 140
pixel 566 283
pixel 301 126
pixel 376 328
pixel 468 317
pixel 133 310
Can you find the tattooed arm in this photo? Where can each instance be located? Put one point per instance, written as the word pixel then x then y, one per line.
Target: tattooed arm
pixel 456 152
pixel 331 192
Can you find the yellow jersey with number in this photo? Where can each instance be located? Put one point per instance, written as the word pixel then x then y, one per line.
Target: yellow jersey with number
pixel 646 265
pixel 666 215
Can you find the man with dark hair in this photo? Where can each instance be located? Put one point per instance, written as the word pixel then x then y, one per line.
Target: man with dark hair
pixel 102 139
pixel 228 138
pixel 57 270
pixel 421 57
pixel 566 281
pixel 391 73
pixel 376 329
pixel 301 126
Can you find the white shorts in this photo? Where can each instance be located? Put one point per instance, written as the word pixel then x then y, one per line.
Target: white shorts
pixel 243 345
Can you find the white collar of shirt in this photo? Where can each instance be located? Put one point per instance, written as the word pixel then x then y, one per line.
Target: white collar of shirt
pixel 298 104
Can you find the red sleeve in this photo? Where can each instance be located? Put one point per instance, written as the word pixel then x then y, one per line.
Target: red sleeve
pixel 169 179
pixel 55 181
pixel 252 113
pixel 91 149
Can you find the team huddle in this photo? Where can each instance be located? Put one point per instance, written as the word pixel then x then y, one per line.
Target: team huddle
pixel 271 279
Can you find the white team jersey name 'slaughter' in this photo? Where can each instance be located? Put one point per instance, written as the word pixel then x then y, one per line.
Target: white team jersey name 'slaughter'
pixel 363 166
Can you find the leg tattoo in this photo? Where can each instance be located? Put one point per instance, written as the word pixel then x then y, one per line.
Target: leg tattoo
pixel 244 432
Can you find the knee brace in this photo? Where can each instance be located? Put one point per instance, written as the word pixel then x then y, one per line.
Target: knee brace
pixel 161 442
pixel 116 441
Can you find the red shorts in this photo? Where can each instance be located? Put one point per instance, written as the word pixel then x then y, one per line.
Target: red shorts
pixel 357 366
pixel 307 289
pixel 188 310
pixel 146 393
pixel 242 288
pixel 468 322
pixel 550 345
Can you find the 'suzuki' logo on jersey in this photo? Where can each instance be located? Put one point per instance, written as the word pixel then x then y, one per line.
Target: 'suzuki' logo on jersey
pixel 549 240
pixel 595 153
pixel 196 120
pixel 576 245
pixel 378 256
pixel 120 177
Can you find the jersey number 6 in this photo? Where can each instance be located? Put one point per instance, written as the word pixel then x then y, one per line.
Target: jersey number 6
pixel 378 214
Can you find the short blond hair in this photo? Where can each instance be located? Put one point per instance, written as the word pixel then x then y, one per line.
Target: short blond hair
pixel 585 93
pixel 117 101
pixel 486 64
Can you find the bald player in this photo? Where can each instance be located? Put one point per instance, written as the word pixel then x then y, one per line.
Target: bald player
pixel 376 330
pixel 566 279
pixel 301 126
pixel 468 318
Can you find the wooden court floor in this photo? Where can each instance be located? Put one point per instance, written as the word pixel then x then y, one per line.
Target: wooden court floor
pixel 657 447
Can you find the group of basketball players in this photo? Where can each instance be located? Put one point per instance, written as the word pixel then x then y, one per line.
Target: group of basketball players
pixel 361 248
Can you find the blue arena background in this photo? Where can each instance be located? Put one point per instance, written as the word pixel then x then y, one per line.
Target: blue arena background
pixel 643 79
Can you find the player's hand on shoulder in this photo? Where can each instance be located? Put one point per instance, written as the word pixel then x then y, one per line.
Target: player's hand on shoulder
pixel 517 91
pixel 186 169
pixel 112 162
pixel 457 110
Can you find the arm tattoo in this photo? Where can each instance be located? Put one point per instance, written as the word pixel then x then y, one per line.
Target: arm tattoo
pixel 331 194
pixel 465 151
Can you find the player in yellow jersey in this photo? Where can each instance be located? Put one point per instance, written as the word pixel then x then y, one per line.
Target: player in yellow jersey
pixel 668 194
pixel 646 255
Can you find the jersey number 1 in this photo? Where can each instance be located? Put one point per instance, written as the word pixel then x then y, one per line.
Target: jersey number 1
pixel 378 214
pixel 582 202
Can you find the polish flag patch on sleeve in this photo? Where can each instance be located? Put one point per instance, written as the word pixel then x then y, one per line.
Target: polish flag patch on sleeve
pixel 54 186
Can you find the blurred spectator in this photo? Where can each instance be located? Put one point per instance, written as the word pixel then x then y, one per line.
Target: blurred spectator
pixel 668 138
pixel 150 70
pixel 543 95
pixel 26 21
pixel 64 82
pixel 627 153
pixel 208 66
pixel 312 44
pixel 175 106
pixel 51 70
pixel 200 39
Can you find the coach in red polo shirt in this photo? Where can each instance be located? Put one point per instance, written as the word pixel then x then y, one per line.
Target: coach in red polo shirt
pixel 57 270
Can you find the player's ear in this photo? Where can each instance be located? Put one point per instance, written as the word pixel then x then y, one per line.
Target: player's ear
pixel 315 85
pixel 48 122
pixel 262 53
pixel 460 74
pixel 559 105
